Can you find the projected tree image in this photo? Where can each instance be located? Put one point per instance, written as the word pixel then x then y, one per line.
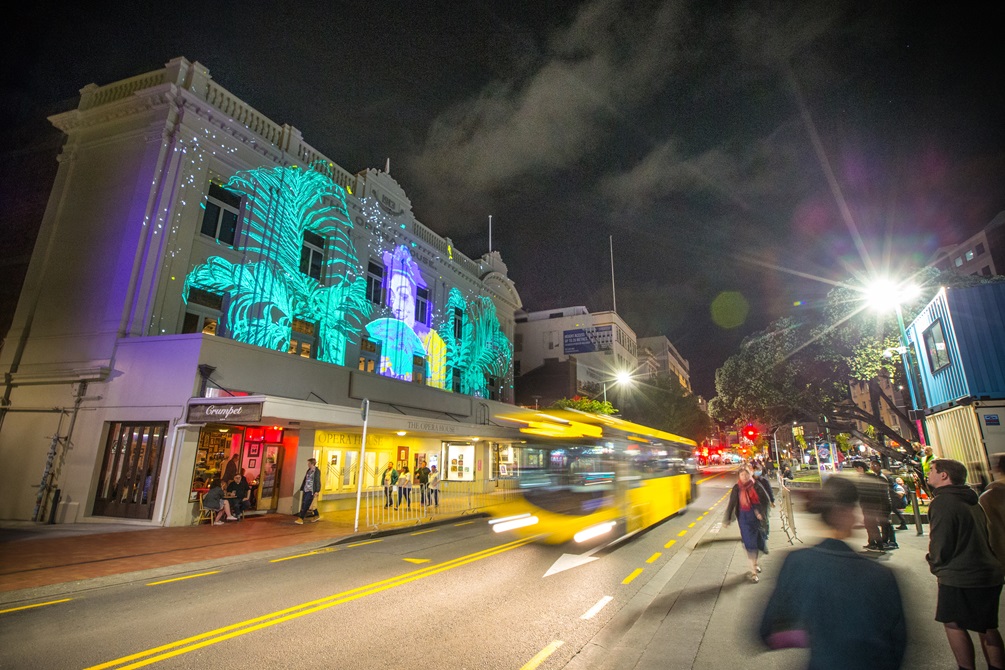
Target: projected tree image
pixel 265 294
pixel 285 208
pixel 476 345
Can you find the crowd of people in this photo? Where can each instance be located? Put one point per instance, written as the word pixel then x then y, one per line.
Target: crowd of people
pixel 812 605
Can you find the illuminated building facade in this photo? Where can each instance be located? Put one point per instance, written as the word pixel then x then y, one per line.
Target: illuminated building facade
pixel 207 288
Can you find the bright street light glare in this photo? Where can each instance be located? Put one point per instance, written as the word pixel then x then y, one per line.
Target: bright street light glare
pixel 623 377
pixel 885 295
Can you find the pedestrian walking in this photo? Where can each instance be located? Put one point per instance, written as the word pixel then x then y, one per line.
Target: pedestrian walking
pixel 846 608
pixel 993 503
pixel 745 505
pixel 309 488
pixel 969 576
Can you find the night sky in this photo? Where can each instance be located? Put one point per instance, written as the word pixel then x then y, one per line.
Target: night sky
pixel 755 152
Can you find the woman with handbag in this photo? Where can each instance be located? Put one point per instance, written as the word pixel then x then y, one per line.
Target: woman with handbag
pixel 844 607
pixel 747 502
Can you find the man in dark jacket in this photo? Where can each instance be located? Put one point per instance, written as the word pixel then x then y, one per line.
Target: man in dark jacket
pixel 970 578
pixel 309 488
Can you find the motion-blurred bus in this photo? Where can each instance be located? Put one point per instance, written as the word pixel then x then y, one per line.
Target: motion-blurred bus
pixel 600 478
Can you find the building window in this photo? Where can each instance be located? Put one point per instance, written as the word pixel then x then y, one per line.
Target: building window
pixel 369 355
pixel 935 345
pixel 958 262
pixel 312 255
pixel 493 385
pixel 969 255
pixel 302 338
pixel 979 249
pixel 986 270
pixel 455 380
pixel 375 283
pixel 202 315
pixel 418 369
pixel 517 343
pixel 422 305
pixel 223 208
pixel 458 323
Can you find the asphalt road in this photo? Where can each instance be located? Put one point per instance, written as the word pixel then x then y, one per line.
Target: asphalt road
pixel 454 596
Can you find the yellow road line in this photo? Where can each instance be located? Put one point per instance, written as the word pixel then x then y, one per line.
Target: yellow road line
pixel 463 523
pixel 652 559
pixel 179 647
pixel 178 579
pixel 360 544
pixel 28 607
pixel 635 573
pixel 540 656
pixel 682 533
pixel 423 532
pixel 690 525
pixel 290 558
pixel 669 544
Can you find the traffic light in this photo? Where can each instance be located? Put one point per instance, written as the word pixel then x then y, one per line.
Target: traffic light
pixel 750 432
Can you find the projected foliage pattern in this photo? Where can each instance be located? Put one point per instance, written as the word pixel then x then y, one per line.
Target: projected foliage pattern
pixel 265 294
pixel 482 351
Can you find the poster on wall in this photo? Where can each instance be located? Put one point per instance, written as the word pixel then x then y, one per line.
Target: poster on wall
pixel 460 462
pixel 402 458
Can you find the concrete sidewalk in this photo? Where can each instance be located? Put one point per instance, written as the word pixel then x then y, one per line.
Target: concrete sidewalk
pixel 701 612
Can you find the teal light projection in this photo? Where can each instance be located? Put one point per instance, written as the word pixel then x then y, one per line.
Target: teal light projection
pixel 459 346
pixel 263 294
pixel 476 346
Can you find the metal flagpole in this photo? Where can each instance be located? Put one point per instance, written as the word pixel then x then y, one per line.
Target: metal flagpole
pixel 613 294
pixel 490 233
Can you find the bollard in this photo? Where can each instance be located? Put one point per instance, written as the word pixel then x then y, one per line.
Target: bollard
pixel 917 512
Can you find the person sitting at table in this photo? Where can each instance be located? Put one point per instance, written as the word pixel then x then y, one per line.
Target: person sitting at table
pixel 239 494
pixel 214 500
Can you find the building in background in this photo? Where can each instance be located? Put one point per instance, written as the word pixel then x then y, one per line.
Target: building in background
pixel 208 292
pixel 665 359
pixel 982 254
pixel 565 352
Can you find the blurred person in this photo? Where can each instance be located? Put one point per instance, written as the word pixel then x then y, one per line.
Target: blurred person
pixel 900 501
pixel 846 608
pixel 745 504
pixel 871 493
pixel 887 535
pixel 992 501
pixel 768 502
pixel 969 575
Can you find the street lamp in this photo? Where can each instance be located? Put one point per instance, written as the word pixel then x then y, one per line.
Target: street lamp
pixel 619 378
pixel 884 294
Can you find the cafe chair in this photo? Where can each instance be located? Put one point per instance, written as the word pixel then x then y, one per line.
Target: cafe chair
pixel 204 514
